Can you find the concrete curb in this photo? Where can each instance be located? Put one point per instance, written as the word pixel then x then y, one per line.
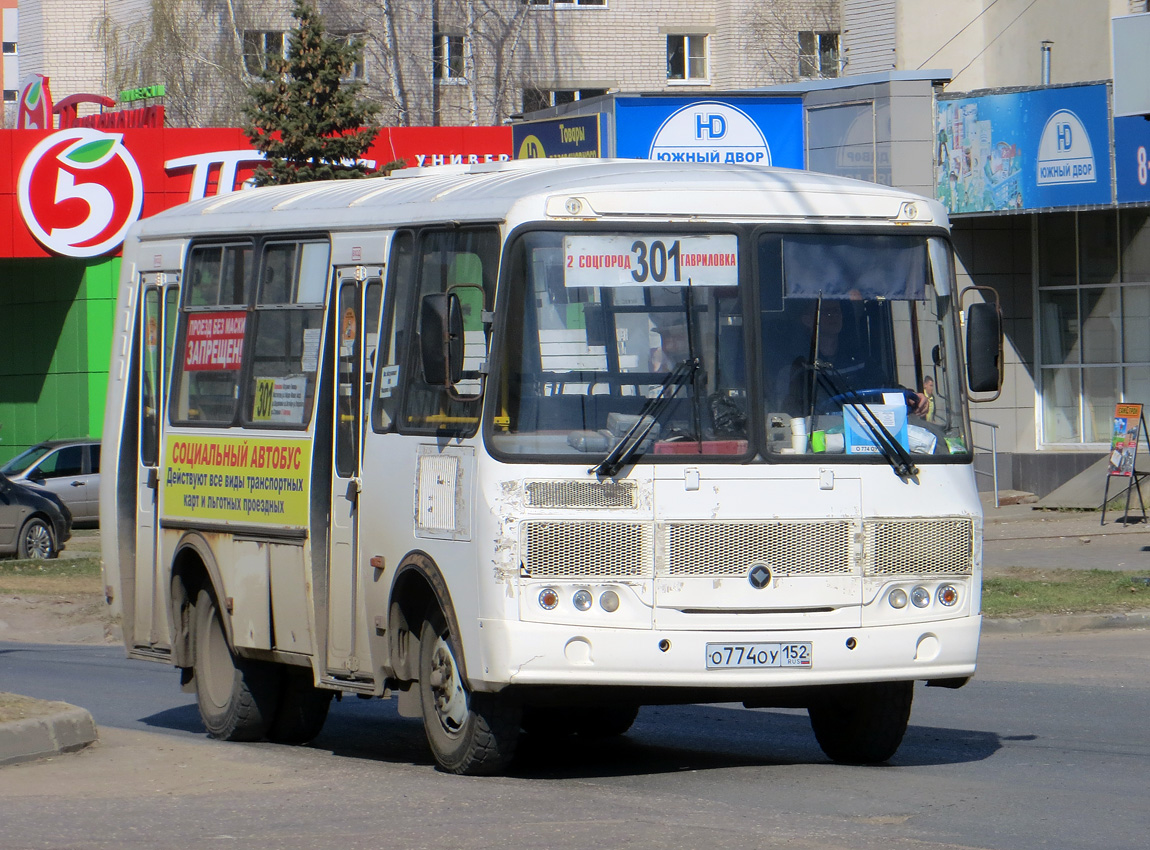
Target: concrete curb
pixel 39 737
pixel 1053 624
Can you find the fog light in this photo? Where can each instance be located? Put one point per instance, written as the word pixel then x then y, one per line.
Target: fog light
pixel 920 596
pixel 582 599
pixel 897 598
pixel 948 595
pixel 609 601
pixel 548 598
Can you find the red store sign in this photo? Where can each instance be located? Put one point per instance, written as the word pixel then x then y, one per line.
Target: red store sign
pixel 74 192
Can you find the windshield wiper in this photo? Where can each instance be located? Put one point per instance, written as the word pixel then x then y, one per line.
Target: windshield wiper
pixel 649 414
pixel 837 387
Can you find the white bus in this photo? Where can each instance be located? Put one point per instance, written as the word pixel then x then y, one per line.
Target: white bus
pixel 529 445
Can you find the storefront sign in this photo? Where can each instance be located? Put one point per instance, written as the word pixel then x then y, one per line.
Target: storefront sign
pixel 559 138
pixel 1132 159
pixel 760 131
pixel 1024 150
pixel 75 192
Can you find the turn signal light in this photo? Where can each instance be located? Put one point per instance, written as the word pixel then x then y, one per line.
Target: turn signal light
pixel 948 595
pixel 548 598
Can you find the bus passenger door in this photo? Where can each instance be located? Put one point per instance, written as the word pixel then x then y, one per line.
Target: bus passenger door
pixel 160 305
pixel 358 299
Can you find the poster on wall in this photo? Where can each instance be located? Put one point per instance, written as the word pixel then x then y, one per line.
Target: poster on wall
pixel 1124 439
pixel 1023 150
pixel 762 131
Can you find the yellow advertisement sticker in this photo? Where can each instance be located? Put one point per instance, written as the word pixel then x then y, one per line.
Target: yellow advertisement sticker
pixel 236 480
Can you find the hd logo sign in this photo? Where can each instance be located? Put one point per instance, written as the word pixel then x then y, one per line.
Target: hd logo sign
pixel 1065 154
pixel 79 191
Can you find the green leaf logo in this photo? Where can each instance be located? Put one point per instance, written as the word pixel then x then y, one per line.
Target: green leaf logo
pixel 33 98
pixel 91 152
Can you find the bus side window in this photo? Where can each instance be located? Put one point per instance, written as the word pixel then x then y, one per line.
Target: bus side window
pixel 465 262
pixel 286 337
pixel 394 333
pixel 213 326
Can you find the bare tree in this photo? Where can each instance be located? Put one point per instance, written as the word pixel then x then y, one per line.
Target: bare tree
pixel 771 34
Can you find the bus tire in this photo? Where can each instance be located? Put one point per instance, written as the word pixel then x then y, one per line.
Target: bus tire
pixel 470 734
pixel 862 724
pixel 302 710
pixel 591 721
pixel 37 540
pixel 237 698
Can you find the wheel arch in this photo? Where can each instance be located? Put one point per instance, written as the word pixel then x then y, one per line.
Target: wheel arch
pixel 417 585
pixel 194 568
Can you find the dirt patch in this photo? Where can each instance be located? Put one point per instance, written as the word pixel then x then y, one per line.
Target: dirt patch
pixel 50 610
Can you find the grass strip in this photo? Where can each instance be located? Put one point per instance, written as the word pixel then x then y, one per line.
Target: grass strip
pixel 53 567
pixel 1027 592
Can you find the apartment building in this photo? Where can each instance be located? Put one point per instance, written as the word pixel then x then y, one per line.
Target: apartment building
pixel 436 61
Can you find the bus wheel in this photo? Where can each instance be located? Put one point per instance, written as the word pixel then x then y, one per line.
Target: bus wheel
pixel 36 540
pixel 863 724
pixel 473 734
pixel 592 721
pixel 302 710
pixel 237 698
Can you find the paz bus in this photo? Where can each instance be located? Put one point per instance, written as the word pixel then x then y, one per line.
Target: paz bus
pixel 529 445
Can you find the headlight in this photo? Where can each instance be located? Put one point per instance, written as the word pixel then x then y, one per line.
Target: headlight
pixel 897 598
pixel 582 599
pixel 609 601
pixel 920 596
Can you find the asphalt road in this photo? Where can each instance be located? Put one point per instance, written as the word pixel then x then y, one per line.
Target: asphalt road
pixel 1047 748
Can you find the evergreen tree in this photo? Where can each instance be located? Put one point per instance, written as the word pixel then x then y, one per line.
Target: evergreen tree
pixel 310 123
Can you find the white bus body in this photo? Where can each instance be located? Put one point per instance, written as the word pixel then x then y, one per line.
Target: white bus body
pixel 357 439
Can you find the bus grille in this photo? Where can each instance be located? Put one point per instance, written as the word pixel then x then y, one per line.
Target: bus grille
pixel 729 549
pixel 587 549
pixel 581 494
pixel 915 547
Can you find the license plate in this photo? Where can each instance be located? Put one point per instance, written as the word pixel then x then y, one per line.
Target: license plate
pixel 721 656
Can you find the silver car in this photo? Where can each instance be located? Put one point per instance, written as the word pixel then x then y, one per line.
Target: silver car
pixel 69 468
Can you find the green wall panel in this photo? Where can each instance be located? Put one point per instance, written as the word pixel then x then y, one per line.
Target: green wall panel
pixel 54 356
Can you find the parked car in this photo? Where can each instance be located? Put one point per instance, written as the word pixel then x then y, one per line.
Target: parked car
pixel 34 523
pixel 69 468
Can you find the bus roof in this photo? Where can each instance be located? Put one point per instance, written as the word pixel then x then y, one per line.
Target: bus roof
pixel 540 189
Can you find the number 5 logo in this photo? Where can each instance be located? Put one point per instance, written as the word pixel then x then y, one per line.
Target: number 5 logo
pixel 79 191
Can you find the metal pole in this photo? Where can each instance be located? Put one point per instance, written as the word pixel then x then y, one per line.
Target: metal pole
pixel 1046 45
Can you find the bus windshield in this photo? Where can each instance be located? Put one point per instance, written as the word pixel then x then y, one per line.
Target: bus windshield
pixel 730 345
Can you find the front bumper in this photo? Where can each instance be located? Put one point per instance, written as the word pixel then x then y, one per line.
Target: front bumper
pixel 529 654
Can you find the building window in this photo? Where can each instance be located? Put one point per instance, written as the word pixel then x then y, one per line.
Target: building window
pixel 448 59
pixel 9 48
pixel 260 46
pixel 536 99
pixel 1093 312
pixel 358 70
pixel 10 95
pixel 687 58
pixel 819 55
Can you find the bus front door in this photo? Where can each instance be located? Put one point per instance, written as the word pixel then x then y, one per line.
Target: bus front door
pixel 358 300
pixel 157 317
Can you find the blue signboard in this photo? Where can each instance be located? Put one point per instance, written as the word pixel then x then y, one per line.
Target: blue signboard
pixel 1023 150
pixel 1131 150
pixel 737 129
pixel 558 138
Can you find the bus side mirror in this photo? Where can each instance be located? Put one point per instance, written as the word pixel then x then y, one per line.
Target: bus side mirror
pixel 984 358
pixel 441 339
